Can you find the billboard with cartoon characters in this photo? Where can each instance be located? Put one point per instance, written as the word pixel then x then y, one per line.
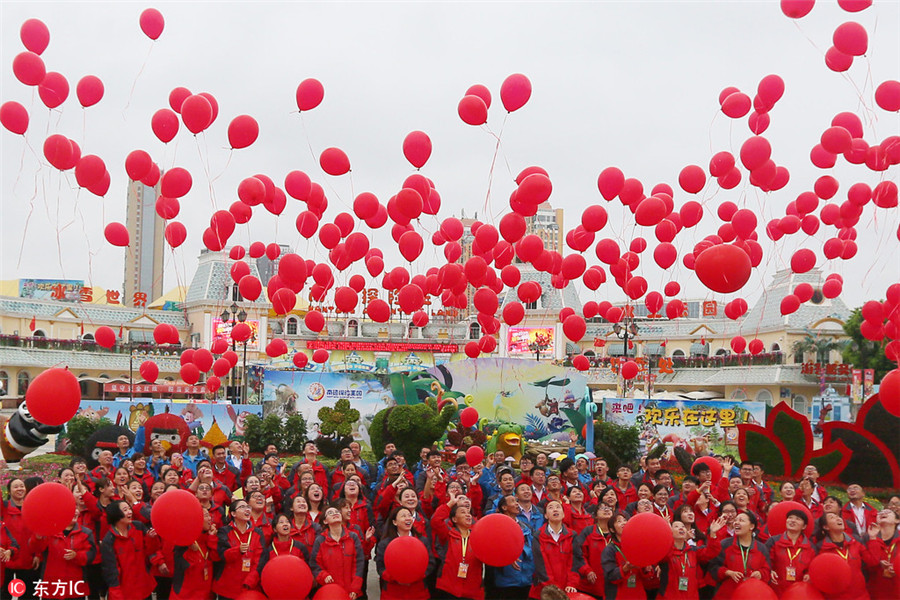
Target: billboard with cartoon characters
pixel 287 392
pixel 212 423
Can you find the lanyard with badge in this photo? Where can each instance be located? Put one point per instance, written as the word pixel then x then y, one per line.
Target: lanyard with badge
pixel 889 572
pixel 463 570
pixel 745 556
pixel 683 580
pixel 290 550
pixel 790 573
pixel 245 561
pixel 632 579
pixel 205 562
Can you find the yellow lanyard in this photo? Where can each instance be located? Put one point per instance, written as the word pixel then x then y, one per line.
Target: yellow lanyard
pixel 465 545
pixel 290 550
pixel 200 552
pixel 891 550
pixel 249 537
pixel 792 557
pixel 845 555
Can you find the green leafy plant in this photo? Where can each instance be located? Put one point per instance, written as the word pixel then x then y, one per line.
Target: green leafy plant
pixel 617 444
pixel 288 434
pixel 337 421
pixel 79 429
pixel 410 428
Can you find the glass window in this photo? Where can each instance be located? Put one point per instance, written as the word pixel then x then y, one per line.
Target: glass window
pixel 738 395
pixel 474 331
pixel 292 326
pixel 765 396
pixel 352 328
pixel 23 379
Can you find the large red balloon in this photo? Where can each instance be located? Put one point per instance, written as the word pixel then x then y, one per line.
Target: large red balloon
pixel 164 124
pixel 310 93
pixel 152 23
pixel 149 371
pixel 89 90
pixel 646 539
pixel 53 89
pixel 48 509
pixel 176 183
pixel 53 397
pixel 472 110
pixel 714 467
pixel 34 35
pixel 889 392
pixel 417 148
pixel 497 540
pixel 775 520
pixel 474 455
pixel 515 92
pixel 29 68
pixel 802 590
pixel 116 234
pixel 242 131
pixel 197 113
pixel 286 576
pixel 753 589
pixel 797 9
pixel 406 559
pixel 830 574
pixel 468 417
pixel 334 161
pixel 177 517
pixel 851 39
pixel 723 268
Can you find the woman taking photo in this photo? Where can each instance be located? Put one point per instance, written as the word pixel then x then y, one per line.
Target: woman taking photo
pixel 589 547
pixel 681 572
pixel 337 556
pixel 459 570
pixel 124 553
pixel 742 557
pixel 553 553
pixel 831 538
pixel 400 524
pixel 239 547
pixel 790 552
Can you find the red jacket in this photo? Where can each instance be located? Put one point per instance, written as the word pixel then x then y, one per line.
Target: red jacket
pixel 730 559
pixel 621 585
pixel 626 497
pixel 391 589
pixel 588 548
pixel 264 524
pixel 343 560
pixel 306 535
pixel 11 515
pixel 449 554
pixel 7 542
pixel 879 585
pixel 164 555
pixel 54 567
pixel 685 563
pixel 124 563
pixel 229 476
pixel 147 479
pixel 553 560
pixel 192 578
pixel 869 514
pixel 784 554
pixel 577 522
pixel 319 474
pixel 858 556
pixel 231 575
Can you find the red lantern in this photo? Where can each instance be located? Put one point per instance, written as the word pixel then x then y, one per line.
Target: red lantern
pixel 48 509
pixel 468 417
pixel 497 540
pixel 53 397
pixel 286 576
pixel 177 517
pixel 406 558
pixel 646 539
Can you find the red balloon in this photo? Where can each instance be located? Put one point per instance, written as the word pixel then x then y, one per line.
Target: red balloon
pixel 737 105
pixel 149 371
pixel 797 9
pixel 190 374
pixel 887 95
pixel 581 363
pixel 177 517
pixel 152 23
pixel 850 38
pixel 14 117
pixel 176 183
pixel 334 161
pixel 480 91
pixel 277 347
pixel 221 367
pixel 283 301
pixel 53 89
pixel 89 90
pixel 692 179
pixel 468 417
pixel 474 455
pixel 646 539
pixel 610 182
pixel 803 260
pixel 242 131
pixel 89 170
pixel 472 110
pixel 53 397
pixel 29 68
pixel 756 346
pixel 485 536
pixel 755 152
pixel 775 521
pixel 513 313
pixel 286 576
pixel 723 268
pixel 197 113
pixel 770 90
pixel 300 360
pixel 203 359
pixel 738 344
pixel 34 35
pixel 48 509
pixel 802 590
pixel 830 574
pixel 574 328
pixel 378 310
pixel 331 591
pixel 164 124
pixel 116 234
pixel 417 148
pixel 630 370
pixel 320 356
pixel 137 164
pixel 310 93
pixel 175 234
pixel 714 466
pixel 753 589
pixel 837 61
pixel 888 392
pixel 789 304
pixel 515 92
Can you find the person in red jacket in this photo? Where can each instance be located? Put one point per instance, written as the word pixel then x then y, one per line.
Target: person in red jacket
pixel 24 564
pixel 400 524
pixel 553 553
pixel 624 581
pixel 224 471
pixel 460 571
pixel 625 490
pixel 124 553
pixel 790 552
pixel 9 548
pixel 742 557
pixel 320 473
pixel 337 556
pixel 884 547
pixel 303 529
pixel 282 543
pixel 588 547
pixel 63 558
pixel 575 517
pixel 681 573
pixel 239 547
pixel 193 575
pixel 833 539
pixel 857 510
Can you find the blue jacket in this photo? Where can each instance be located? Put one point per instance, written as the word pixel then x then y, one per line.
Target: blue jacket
pixel 510 577
pixel 192 462
pixel 537 518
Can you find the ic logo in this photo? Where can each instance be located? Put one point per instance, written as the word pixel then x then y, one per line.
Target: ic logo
pixel 16 588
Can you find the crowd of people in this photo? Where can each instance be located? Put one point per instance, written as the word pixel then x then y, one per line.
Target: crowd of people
pixel 571 513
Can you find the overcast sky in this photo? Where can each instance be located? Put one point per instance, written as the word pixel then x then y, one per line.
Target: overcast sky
pixel 630 84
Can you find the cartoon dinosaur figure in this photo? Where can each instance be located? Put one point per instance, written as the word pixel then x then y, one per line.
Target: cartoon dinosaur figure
pixel 510 438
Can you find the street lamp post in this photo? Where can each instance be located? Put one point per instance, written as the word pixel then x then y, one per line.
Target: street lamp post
pixel 625 331
pixel 235 315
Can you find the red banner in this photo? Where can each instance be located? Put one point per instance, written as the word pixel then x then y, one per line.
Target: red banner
pixel 146 388
pixel 381 346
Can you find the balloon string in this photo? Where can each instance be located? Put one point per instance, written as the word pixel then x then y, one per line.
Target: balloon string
pixel 225 168
pixel 487 197
pixel 205 164
pixel 138 76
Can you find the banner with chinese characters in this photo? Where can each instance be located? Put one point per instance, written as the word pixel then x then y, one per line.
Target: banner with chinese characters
pixel 699 426
pixel 68 290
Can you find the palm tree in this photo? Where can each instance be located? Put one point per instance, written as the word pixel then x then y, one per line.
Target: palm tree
pixel 821 346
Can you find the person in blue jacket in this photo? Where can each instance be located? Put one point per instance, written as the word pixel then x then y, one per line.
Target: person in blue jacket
pixel 515 580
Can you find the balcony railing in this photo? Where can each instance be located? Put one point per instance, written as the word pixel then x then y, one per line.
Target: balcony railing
pixel 121 347
pixel 701 362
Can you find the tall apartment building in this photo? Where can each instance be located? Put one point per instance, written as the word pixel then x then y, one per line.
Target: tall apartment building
pixel 144 263
pixel 548 225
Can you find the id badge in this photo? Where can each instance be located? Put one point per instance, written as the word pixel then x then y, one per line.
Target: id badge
pixel 790 574
pixel 245 564
pixel 205 573
pixel 682 584
pixel 463 570
pixel 632 581
pixel 888 574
